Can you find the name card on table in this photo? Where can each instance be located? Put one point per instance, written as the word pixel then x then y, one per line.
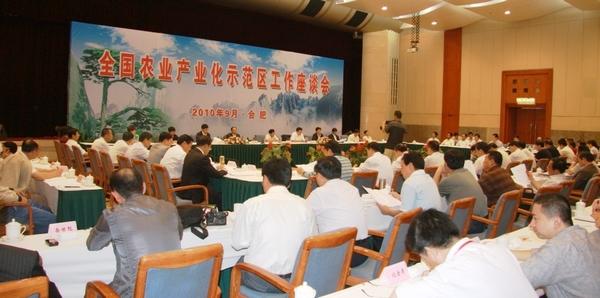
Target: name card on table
pixel 394 274
pixel 63 230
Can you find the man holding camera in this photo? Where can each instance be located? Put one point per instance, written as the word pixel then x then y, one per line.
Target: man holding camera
pixel 396 130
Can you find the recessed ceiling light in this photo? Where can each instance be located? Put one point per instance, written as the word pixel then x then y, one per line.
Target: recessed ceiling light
pixel 507 12
pixel 384 8
pixel 434 23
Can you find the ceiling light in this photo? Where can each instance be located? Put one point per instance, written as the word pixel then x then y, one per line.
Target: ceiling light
pixel 434 23
pixel 507 12
pixel 384 8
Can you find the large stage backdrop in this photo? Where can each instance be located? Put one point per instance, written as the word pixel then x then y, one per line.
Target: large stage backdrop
pixel 121 76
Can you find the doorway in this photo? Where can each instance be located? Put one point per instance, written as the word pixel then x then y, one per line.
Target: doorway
pixel 526 104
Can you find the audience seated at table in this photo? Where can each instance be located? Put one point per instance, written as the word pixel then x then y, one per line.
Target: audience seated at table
pixel 15 167
pixel 272 226
pixel 480 152
pixel 173 132
pixel 101 143
pixel 173 158
pixel 516 154
pixel 133 130
pixel 502 151
pixel 496 140
pixel 434 158
pixel 337 204
pixel 139 150
pixel 462 141
pixel 555 169
pixel 566 151
pixel 567 265
pixel 73 134
pixel 376 161
pixel 332 148
pixel 198 169
pixel 204 130
pixel 271 137
pixel 495 180
pixel 354 137
pixel 333 135
pixel 31 149
pixel 418 189
pixel 121 146
pixel 586 170
pixel 318 134
pixel 450 140
pixel 434 137
pixel 233 137
pixel 137 226
pixel 459 267
pixel 455 182
pixel 399 151
pixel 549 145
pixel 158 150
pixel 593 146
pixel 366 137
pixel 297 136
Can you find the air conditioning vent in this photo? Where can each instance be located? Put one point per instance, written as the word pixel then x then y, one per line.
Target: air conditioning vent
pixel 313 8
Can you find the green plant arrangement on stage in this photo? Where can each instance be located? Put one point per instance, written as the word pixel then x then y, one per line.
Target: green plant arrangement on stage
pixel 276 151
pixel 357 154
pixel 314 153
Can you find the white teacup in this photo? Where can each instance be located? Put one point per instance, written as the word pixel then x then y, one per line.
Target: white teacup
pixel 88 180
pixel 14 230
pixel 71 173
pixel 44 159
pixel 305 291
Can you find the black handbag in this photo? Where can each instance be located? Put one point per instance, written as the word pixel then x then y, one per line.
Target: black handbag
pixel 195 219
pixel 214 217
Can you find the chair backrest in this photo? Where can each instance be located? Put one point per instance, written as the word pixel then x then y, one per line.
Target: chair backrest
pixel 285 137
pixel 107 167
pixel 27 287
pixel 567 188
pixel 542 163
pixel 591 191
pixel 124 162
pixel 60 154
pixel 504 213
pixel 366 179
pixel 392 247
pixel 78 161
pixel 528 164
pixel 548 189
pixel 431 171
pixel 460 211
pixel 96 166
pixel 397 182
pixel 192 272
pixel 324 261
pixel 68 155
pixel 512 164
pixel 311 184
pixel 142 168
pixel 162 183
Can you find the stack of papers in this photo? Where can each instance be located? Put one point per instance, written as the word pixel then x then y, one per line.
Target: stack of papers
pixel 383 197
pixel 520 175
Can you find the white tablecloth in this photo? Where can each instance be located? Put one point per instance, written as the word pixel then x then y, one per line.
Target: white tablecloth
pixel 49 188
pixel 70 265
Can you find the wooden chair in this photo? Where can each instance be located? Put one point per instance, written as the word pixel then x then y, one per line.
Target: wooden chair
pixel 107 168
pixel 79 162
pixel 392 249
pixel 30 224
pixel 323 262
pixel 591 191
pixel 500 219
pixel 512 164
pixel 142 168
pixel 431 171
pixel 364 178
pixel 461 211
pixel 60 154
pixel 542 163
pixel 27 287
pixel 96 166
pixel 192 272
pixel 165 190
pixel 541 191
pixel 68 155
pixel 124 162
pixel 397 182
pixel 567 188
pixel 528 164
pixel 311 184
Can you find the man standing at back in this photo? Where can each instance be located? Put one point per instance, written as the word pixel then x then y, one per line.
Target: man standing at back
pixel 396 130
pixel 139 225
pixel 272 226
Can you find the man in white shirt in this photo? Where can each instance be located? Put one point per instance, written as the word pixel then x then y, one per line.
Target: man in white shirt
pixel 555 169
pixel 139 150
pixel 297 136
pixel 460 267
pixel 157 151
pixel 366 137
pixel 481 150
pixel 496 140
pixel 173 159
pixel 434 137
pixel 418 189
pixel 566 151
pixel 271 137
pixel 378 162
pixel 354 137
pixel 505 159
pixel 121 146
pixel 399 151
pixel 101 143
pixel 272 226
pixel 434 157
pixel 337 204
pixel 516 154
pixel 73 134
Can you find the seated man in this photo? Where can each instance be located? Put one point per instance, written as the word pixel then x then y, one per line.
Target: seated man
pixel 502 151
pixel 272 226
pixel 494 180
pixel 434 157
pixel 333 135
pixel 297 136
pixel 354 137
pixel 332 148
pixel 399 151
pixel 137 226
pixel 233 137
pixel 101 143
pixel 42 217
pixel 460 267
pixel 587 169
pixel 516 154
pixel 565 150
pixel 271 137
pixel 567 265
pixel 157 151
pixel 173 158
pixel 481 151
pixel 337 204
pixel 317 135
pixel 204 130
pixel 173 132
pixel 15 168
pixel 197 169
pixel 418 189
pixel 139 150
pixel 555 169
pixel 121 146
pixel 73 134
pixel 459 183
pixel 376 161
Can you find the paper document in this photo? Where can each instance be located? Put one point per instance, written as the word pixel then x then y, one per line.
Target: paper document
pixel 309 167
pixel 471 168
pixel 383 197
pixel 520 175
